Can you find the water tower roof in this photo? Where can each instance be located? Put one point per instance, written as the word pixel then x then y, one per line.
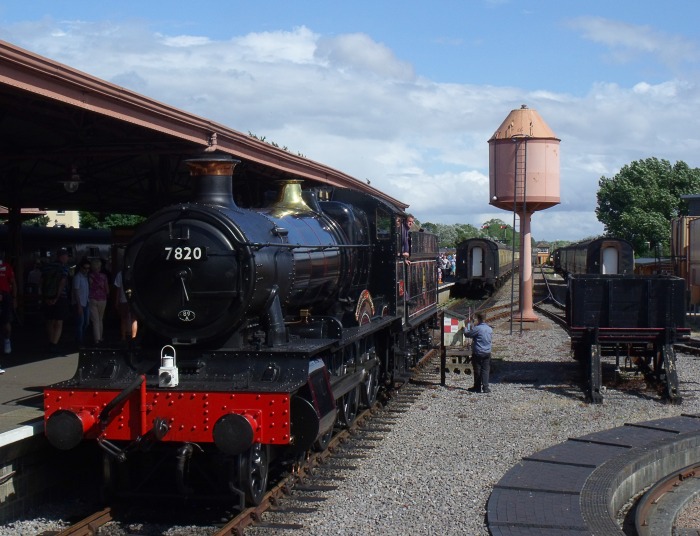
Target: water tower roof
pixel 523 122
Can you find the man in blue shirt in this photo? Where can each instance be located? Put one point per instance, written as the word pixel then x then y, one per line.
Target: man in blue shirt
pixel 480 333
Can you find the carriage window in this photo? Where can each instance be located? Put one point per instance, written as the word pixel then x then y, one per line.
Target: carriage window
pixel 383 224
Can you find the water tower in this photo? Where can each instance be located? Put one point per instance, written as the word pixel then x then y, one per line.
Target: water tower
pixel 524 178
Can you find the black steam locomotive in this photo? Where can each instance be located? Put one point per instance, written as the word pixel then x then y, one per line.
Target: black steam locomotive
pixel 260 330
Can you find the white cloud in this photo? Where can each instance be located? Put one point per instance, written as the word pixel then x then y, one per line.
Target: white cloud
pixel 185 40
pixel 626 42
pixel 349 102
pixel 360 53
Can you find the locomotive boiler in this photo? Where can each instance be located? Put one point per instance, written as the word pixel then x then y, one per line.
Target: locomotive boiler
pixel 260 330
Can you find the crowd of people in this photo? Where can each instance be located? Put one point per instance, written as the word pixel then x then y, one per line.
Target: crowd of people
pixel 447 266
pixel 84 295
pixel 78 294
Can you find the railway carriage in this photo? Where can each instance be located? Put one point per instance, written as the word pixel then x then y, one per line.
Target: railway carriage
pixel 605 256
pixel 483 265
pixel 260 330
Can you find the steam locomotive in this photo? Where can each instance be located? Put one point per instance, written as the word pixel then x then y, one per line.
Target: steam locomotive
pixel 260 330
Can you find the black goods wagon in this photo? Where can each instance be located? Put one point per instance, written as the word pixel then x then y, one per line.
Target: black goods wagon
pixel 604 256
pixel 261 328
pixel 483 265
pixel 638 316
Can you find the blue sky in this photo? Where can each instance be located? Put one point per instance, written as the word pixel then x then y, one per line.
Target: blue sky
pixel 407 93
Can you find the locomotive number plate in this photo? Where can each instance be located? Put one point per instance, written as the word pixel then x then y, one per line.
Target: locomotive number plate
pixel 184 253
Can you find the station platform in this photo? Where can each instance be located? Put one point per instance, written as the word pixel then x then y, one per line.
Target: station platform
pixel 21 391
pixel 28 369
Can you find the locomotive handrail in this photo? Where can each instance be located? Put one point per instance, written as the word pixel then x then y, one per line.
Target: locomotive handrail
pixel 315 247
pixel 104 414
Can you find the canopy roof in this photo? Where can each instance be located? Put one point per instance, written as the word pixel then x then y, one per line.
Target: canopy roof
pixel 71 141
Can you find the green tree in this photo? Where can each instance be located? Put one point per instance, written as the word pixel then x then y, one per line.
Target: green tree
pixel 38 221
pixel 95 220
pixel 639 202
pixel 451 235
pixel 464 231
pixel 499 230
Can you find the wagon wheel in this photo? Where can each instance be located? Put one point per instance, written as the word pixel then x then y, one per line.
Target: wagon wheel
pixel 253 466
pixel 348 407
pixel 581 352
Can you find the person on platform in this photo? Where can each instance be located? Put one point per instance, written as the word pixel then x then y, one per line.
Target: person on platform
pixel 128 323
pixel 480 333
pixel 54 294
pixel 81 300
pixel 99 292
pixel 34 280
pixel 8 303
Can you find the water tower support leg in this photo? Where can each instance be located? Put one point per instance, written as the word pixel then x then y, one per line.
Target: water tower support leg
pixel 526 313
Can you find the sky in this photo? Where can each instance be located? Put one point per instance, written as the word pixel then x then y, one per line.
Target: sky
pixel 406 94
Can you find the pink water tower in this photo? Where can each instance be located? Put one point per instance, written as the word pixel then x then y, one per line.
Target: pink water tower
pixel 524 178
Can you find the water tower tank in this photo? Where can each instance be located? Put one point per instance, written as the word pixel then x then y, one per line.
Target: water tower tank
pixel 524 163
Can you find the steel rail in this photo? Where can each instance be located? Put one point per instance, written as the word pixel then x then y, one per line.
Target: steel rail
pixel 659 507
pixel 87 526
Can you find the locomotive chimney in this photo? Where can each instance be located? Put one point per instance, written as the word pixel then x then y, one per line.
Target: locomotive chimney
pixel 213 175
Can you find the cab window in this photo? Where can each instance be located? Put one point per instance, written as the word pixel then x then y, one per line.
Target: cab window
pixel 383 224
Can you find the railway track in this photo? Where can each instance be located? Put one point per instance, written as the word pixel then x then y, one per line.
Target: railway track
pixel 306 484
pixel 87 526
pixel 659 507
pixel 280 504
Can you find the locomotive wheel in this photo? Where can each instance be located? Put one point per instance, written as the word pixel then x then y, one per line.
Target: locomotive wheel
pixel 370 387
pixel 322 442
pixel 348 407
pixel 114 478
pixel 253 467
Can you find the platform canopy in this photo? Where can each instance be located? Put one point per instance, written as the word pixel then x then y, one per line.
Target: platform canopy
pixel 70 141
